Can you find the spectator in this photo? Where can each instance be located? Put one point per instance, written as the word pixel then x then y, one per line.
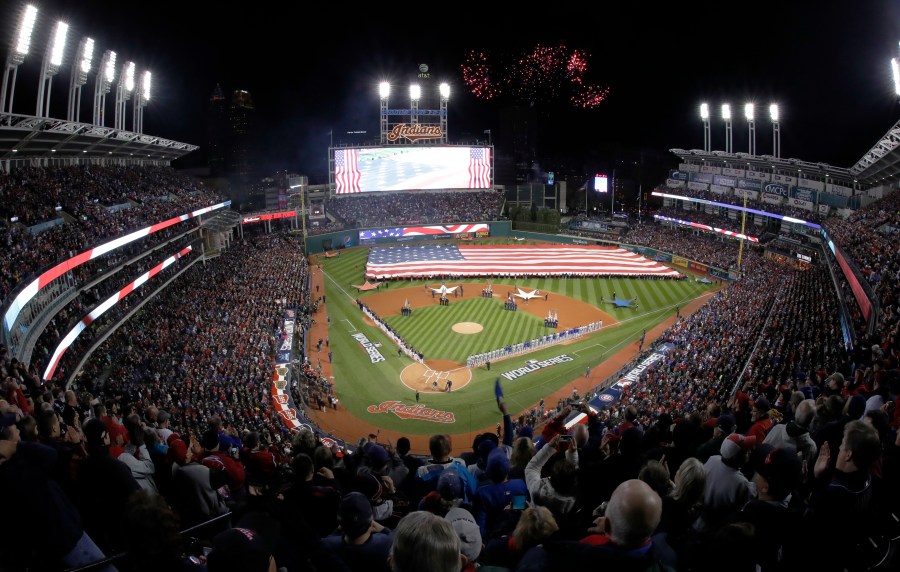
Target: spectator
pixel 361 543
pixel 469 534
pixel 240 550
pixel 424 541
pixel 727 489
pixel 558 491
pixel 535 526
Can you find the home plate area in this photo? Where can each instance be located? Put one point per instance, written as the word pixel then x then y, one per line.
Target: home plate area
pixel 435 376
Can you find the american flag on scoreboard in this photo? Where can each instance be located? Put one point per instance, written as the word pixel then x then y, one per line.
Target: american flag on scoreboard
pixel 346 171
pixel 547 260
pixel 480 168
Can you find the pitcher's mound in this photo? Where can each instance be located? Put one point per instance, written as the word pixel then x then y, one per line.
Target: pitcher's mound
pixel 467 327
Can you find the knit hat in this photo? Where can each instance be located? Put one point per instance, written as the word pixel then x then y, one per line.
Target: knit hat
pixel 369 485
pixel 780 467
pixel 355 514
pixel 450 485
pixel 177 452
pixel 466 528
pixel 239 550
pixel 376 455
pixel 734 444
pixel 497 465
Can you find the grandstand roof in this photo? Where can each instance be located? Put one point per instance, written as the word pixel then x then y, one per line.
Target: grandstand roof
pixel 765 163
pixel 26 137
pixel 882 161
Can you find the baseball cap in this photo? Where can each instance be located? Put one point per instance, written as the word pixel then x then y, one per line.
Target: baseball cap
pixel 94 431
pixel 762 404
pixel 355 514
pixel 726 422
pixel 497 465
pixel 467 530
pixel 734 444
pixel 780 467
pixel 239 550
pixel 210 439
pixel 163 416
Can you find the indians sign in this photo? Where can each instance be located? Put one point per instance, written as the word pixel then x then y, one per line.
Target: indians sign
pixel 418 411
pixel 415 132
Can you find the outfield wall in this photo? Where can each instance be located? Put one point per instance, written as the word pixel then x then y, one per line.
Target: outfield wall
pixel 350 238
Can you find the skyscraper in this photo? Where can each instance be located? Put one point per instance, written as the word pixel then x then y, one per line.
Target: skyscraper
pixel 217 132
pixel 240 118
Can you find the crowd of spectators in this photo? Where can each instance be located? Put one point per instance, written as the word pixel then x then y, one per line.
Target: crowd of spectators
pixel 99 203
pixel 761 441
pixel 371 210
pixel 702 246
pixel 784 209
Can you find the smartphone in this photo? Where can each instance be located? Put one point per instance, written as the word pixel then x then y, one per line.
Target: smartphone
pixel 565 437
pixel 518 502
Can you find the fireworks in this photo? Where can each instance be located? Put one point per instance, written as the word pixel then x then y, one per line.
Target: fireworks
pixel 542 74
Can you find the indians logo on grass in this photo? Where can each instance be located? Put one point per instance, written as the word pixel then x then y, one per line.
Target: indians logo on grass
pixel 417 411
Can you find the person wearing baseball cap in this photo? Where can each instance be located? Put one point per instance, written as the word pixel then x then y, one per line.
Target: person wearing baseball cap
pixel 727 489
pixel 724 426
pixel 361 543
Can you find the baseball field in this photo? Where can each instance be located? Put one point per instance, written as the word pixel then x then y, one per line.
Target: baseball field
pixel 377 386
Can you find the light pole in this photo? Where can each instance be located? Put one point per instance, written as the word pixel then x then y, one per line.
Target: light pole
pixel 726 115
pixel 704 115
pixel 81 66
pixel 384 90
pixel 776 130
pixel 143 96
pixel 50 67
pixel 444 89
pixel 895 72
pixel 123 94
pixel 102 84
pixel 415 93
pixel 16 56
pixel 749 113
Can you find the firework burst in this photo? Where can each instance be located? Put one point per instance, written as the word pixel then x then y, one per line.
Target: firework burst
pixel 543 74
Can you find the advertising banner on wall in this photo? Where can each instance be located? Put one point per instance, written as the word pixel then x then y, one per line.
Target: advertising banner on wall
pixel 697 186
pixel 749 184
pixel 725 181
pixel 805 193
pixel 674 184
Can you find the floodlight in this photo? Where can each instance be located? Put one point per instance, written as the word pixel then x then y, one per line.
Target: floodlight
pixel 748 111
pixel 59 44
pixel 895 68
pixel 726 111
pixel 773 112
pixel 704 111
pixel 415 92
pixel 776 130
pixel 145 85
pixel 110 72
pixel 26 27
pixel 87 55
pixel 445 90
pixel 384 89
pixel 129 76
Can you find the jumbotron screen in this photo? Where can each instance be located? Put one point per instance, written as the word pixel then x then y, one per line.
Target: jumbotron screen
pixel 401 168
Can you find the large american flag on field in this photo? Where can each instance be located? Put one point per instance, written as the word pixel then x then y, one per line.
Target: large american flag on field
pixel 480 168
pixel 424 230
pixel 482 260
pixel 346 171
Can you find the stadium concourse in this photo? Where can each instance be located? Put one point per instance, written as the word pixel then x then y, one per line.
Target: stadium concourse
pixel 747 433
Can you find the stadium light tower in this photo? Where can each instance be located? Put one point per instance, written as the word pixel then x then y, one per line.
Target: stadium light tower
pixel 81 66
pixel 704 115
pixel 140 101
pixel 102 83
pixel 895 71
pixel 776 130
pixel 726 115
pixel 750 114
pixel 50 67
pixel 415 93
pixel 444 89
pixel 123 94
pixel 16 56
pixel 384 91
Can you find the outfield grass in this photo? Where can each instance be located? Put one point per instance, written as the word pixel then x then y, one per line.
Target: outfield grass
pixel 360 383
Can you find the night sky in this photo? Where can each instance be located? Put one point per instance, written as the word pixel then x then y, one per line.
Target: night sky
pixel 315 70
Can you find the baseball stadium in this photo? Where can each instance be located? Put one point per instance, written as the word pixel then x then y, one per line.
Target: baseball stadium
pixel 414 367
